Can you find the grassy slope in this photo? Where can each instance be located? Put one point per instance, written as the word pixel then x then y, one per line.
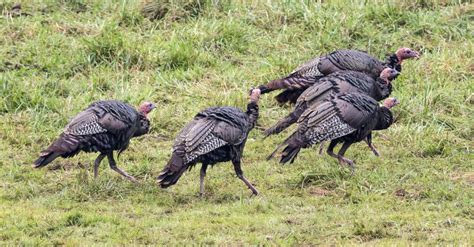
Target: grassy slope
pixel 68 54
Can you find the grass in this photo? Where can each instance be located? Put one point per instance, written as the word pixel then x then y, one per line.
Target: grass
pixel 66 54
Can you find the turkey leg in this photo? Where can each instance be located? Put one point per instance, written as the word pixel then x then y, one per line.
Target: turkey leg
pixel 202 176
pixel 114 167
pixel 321 147
pixel 330 149
pixel 240 174
pixel 97 163
pixel 368 140
pixel 343 159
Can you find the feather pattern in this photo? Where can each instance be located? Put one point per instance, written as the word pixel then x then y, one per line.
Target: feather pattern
pixel 103 127
pixel 348 117
pixel 208 144
pixel 351 60
pixel 333 84
pixel 308 69
pixel 310 72
pixel 216 134
pixel 331 128
pixel 85 123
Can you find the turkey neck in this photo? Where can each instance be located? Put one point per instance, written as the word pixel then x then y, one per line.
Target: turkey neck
pixel 385 118
pixel 143 125
pixel 382 89
pixel 252 112
pixel 394 63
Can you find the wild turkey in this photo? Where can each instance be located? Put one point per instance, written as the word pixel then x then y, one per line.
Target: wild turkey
pixel 102 127
pixel 216 134
pixel 337 83
pixel 307 74
pixel 347 118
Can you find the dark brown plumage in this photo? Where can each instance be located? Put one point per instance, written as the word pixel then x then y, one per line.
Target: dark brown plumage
pixel 337 83
pixel 103 127
pixel 307 74
pixel 346 118
pixel 217 134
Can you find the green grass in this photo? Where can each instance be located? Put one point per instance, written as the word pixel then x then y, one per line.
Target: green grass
pixel 67 54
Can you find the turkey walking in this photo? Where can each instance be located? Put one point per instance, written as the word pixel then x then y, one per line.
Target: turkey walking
pixel 308 73
pixel 103 127
pixel 347 118
pixel 337 83
pixel 216 134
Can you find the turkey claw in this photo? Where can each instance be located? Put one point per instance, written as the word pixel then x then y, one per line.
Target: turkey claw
pixel 348 162
pixel 132 179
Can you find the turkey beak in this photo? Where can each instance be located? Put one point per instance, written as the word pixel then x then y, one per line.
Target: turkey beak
pixel 416 54
pixel 250 91
pixel 151 107
pixel 395 102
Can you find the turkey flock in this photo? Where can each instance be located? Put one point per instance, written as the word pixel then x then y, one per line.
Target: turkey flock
pixel 336 99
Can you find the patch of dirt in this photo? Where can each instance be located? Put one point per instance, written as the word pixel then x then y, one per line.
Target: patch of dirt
pixel 401 193
pixel 467 177
pixel 8 66
pixel 320 192
pixel 73 30
pixel 418 194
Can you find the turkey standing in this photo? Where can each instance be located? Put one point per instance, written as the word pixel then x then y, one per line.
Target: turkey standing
pixel 103 127
pixel 216 134
pixel 307 74
pixel 338 83
pixel 347 118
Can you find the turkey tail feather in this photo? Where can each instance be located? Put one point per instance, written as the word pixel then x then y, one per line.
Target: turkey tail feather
pixel 45 158
pixel 65 146
pixel 271 86
pixel 281 125
pixel 171 176
pixel 292 82
pixel 281 145
pixel 294 144
pixel 289 154
pixel 289 95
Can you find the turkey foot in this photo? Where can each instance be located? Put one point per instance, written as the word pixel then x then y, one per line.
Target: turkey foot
pixel 240 175
pixel 368 140
pixel 125 174
pixel 113 166
pixel 342 159
pixel 374 150
pixel 349 162
pixel 254 191
pixel 249 185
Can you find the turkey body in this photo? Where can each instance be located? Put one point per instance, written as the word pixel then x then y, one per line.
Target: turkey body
pixel 216 134
pixel 333 84
pixel 104 127
pixel 347 118
pixel 310 72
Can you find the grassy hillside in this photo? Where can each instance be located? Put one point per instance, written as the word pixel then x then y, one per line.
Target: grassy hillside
pixel 56 57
